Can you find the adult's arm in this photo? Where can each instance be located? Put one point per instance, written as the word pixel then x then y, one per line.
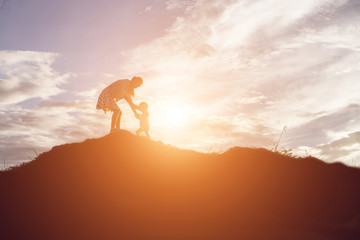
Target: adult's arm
pixel 131 104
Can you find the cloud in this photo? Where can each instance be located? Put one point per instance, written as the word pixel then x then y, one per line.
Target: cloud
pixel 41 107
pixel 332 137
pixel 326 128
pixel 27 78
pixel 344 150
pixel 48 124
pixel 25 75
pixel 241 69
pixel 148 9
pixel 176 4
pixel 273 63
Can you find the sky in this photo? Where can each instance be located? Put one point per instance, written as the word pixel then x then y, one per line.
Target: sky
pixel 217 73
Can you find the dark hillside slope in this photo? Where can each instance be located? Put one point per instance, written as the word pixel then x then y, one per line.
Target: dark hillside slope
pixel 127 187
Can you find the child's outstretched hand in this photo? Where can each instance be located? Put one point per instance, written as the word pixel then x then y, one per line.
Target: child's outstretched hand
pixel 137 115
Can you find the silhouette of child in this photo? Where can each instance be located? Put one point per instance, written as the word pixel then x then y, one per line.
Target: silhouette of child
pixel 144 119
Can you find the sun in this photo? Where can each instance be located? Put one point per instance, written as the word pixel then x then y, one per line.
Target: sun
pixel 173 115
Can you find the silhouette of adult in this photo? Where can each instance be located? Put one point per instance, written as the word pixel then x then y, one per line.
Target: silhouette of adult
pixel 120 89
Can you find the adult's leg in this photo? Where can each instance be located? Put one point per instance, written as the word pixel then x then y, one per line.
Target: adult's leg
pixel 114 118
pixel 118 120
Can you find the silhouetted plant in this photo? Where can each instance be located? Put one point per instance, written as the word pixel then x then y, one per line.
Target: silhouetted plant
pixel 287 152
pixel 284 151
pixel 211 149
pixel 276 145
pixel 5 164
pixel 35 152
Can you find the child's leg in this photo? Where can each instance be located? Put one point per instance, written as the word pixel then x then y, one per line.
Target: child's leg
pixel 147 133
pixel 139 131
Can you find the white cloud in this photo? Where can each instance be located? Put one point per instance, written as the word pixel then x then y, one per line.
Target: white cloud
pixel 240 69
pixel 25 75
pixel 176 4
pixel 332 137
pixel 273 63
pixel 148 9
pixel 32 112
pixel 48 124
pixel 346 150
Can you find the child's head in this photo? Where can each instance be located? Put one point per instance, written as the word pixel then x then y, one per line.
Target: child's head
pixel 143 106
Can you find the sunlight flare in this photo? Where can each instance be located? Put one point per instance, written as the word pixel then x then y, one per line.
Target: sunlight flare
pixel 172 115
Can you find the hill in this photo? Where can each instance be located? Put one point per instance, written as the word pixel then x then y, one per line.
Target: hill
pixel 125 187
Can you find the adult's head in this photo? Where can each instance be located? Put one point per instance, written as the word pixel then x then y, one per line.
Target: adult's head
pixel 136 82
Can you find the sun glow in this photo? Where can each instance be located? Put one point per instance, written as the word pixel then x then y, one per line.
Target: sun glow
pixel 175 118
pixel 173 115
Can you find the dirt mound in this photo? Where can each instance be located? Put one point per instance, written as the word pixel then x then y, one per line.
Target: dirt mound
pixel 125 187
